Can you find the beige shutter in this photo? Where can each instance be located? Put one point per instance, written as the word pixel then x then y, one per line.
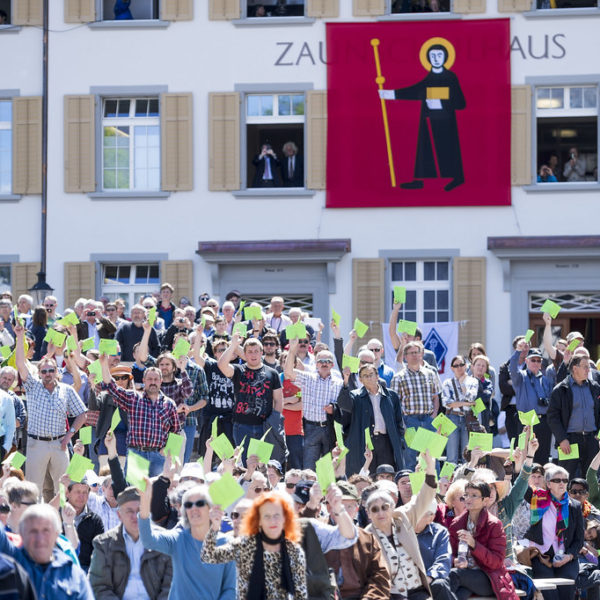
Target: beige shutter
pixel 27 12
pixel 520 135
pixel 23 276
pixel 224 141
pixel 80 281
pixel 329 9
pixel 368 8
pixel 177 10
pixel 469 280
pixel 316 138
pixel 80 11
pixel 176 142
pixel 27 145
pixel 468 6
pixel 368 293
pixel 180 274
pixel 80 151
pixel 224 10
pixel 509 6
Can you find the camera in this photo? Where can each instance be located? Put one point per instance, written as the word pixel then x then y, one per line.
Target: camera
pixel 543 402
pixel 90 313
pixel 181 320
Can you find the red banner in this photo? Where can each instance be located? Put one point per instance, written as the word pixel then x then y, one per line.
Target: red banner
pixel 418 114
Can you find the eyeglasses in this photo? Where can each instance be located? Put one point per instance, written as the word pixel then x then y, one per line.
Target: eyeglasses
pixel 236 515
pixel 456 365
pixel 375 349
pixel 44 371
pixel 49 305
pixel 578 492
pixel 4 509
pixel 324 361
pixel 474 496
pixel 536 360
pixel 290 486
pixel 121 377
pixel 204 298
pixel 259 489
pixel 199 503
pixel 269 344
pixel 366 362
pixel 303 343
pixel 559 480
pixel 111 310
pixel 414 353
pixel 383 508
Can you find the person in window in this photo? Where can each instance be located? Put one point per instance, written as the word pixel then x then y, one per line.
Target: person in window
pixel 267 168
pixel 546 175
pixel 3 18
pixel 292 166
pixel 575 168
pixel 121 10
pixel 261 11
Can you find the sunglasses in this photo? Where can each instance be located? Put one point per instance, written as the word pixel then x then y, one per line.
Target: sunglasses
pixel 204 298
pixel 536 360
pixel 198 503
pixel 269 344
pixel 375 349
pixel 111 310
pixel 260 489
pixel 4 509
pixel 577 492
pixel 324 361
pixel 559 480
pixel 236 515
pixel 456 365
pixel 384 508
pixel 303 343
pixel 290 486
pixel 121 377
pixel 44 371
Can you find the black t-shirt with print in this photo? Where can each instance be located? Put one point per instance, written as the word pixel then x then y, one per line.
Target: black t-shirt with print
pixel 253 393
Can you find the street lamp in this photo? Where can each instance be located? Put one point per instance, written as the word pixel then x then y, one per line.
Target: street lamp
pixel 40 290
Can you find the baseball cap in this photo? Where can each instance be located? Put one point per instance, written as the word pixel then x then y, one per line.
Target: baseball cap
pixel 574 335
pixel 129 494
pixel 385 470
pixel 402 473
pixel 349 491
pixel 276 465
pixel 232 294
pixel 534 352
pixel 193 471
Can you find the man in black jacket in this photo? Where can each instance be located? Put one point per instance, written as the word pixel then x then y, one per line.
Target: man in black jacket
pixel 574 415
pixel 508 403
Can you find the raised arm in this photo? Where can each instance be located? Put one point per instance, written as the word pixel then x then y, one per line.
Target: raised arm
pixel 289 371
pixel 392 325
pixel 20 351
pixel 547 339
pixel 224 362
pixel 143 347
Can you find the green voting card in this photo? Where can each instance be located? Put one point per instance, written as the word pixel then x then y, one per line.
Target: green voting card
pixel 574 453
pixel 253 313
pixel 551 308
pixel 522 441
pixel 416 481
pixel 182 347
pixel 63 494
pixel 573 345
pixel 484 441
pixel 261 449
pixel 444 424
pixel 325 472
pixel 335 317
pixel 85 435
pixel 222 447
pixel 408 327
pixel 152 316
pixel 399 294
pixel 479 407
pixel 529 335
pixel 447 470
pixel 409 435
pixel 95 371
pixel 174 444
pixel 352 362
pixel 241 329
pixel 529 418
pixel 225 491
pixel 214 428
pixel 360 328
pixel 5 351
pixel 108 347
pixel 71 344
pixel 87 344
pixel 78 467
pixel 512 449
pixel 116 419
pixel 425 439
pixel 368 440
pixel 138 468
pixel 16 460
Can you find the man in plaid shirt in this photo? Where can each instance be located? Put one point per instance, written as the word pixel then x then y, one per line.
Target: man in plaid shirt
pixel 319 393
pixel 151 414
pixel 418 388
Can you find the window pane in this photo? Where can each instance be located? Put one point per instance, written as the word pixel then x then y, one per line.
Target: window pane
pixel 146 157
pixel 298 104
pixel 285 105
pixel 153 278
pixel 110 108
pixel 429 299
pixel 410 271
pixel 110 179
pixel 110 158
pixel 442 299
pixel 141 108
pixel 4 278
pixel 123 110
pixel 429 316
pixel 266 106
pixel 122 134
pixel 397 271
pixel 429 271
pixel 590 97
pixel 123 179
pixel 110 273
pixel 5 162
pixel 141 274
pixel 124 273
pixel 253 104
pixel 549 98
pixel 442 271
pixel 576 97
pixel 153 108
pixel 410 316
pixel 411 300
pixel 443 317
pixel 5 111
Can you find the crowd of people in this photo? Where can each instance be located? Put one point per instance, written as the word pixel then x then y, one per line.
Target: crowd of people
pixel 226 450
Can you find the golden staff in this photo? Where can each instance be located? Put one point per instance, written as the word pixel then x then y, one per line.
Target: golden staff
pixel 380 80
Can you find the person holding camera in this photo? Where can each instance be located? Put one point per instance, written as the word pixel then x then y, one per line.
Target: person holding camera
pixel 93 324
pixel 267 168
pixel 575 167
pixel 546 175
pixel 532 392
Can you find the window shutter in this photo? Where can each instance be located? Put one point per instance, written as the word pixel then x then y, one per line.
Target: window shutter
pixel 80 11
pixel 176 142
pixel 224 141
pixel 520 135
pixel 22 277
pixel 368 293
pixel 316 137
pixel 80 152
pixel 223 10
pixel 368 8
pixel 469 281
pixel 177 10
pixel 509 6
pixel 468 6
pixel 27 145
pixel 80 281
pixel 180 274
pixel 27 12
pixel 323 8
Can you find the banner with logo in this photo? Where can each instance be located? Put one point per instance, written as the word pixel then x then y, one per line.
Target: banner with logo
pixel 418 113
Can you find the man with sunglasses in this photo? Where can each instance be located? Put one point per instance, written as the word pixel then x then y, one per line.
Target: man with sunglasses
pixel 532 392
pixel 320 391
pixel 49 404
pixel 50 304
pixel 270 343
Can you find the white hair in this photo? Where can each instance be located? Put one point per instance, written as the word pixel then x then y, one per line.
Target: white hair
pixel 40 511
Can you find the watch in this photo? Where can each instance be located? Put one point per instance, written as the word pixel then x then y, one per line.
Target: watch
pixel 72 430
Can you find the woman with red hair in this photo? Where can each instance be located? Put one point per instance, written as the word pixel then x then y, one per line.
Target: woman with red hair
pixel 270 562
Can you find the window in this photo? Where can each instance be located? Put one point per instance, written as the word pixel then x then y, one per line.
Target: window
pixel 5 12
pixel 131 144
pixel 5 146
pixel 567 131
pixel 275 139
pixel 419 6
pixel 302 301
pixel 4 278
pixel 566 4
pixel 130 282
pixel 569 301
pixel 275 8
pixel 123 10
pixel 427 284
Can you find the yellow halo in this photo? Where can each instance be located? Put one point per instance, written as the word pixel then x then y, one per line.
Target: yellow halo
pixel 432 42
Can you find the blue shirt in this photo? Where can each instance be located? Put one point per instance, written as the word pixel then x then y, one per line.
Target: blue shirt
pixel 434 543
pixel 386 373
pixel 528 387
pixel 583 404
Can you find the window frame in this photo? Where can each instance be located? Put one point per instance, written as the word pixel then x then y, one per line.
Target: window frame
pixel 262 21
pixel 102 23
pixel 390 16
pixel 10 95
pixel 562 12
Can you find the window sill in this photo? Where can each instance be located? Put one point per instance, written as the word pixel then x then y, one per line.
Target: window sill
pixel 274 192
pixel 420 16
pixel 10 197
pixel 10 28
pixel 130 24
pixel 128 195
pixel 584 186
pixel 558 13
pixel 273 21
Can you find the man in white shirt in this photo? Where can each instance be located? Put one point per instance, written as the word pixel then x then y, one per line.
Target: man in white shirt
pixel 276 319
pixel 7 423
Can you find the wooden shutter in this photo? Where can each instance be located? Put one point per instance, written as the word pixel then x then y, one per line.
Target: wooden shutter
pixel 80 152
pixel 323 8
pixel 368 8
pixel 180 274
pixel 27 145
pixel 509 6
pixel 176 142
pixel 27 12
pixel 224 141
pixel 316 138
pixel 23 276
pixel 177 10
pixel 224 10
pixel 468 6
pixel 469 280
pixel 80 281
pixel 368 293
pixel 520 135
pixel 80 11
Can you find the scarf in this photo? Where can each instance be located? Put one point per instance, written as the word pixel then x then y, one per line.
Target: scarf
pixel 256 587
pixel 540 503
